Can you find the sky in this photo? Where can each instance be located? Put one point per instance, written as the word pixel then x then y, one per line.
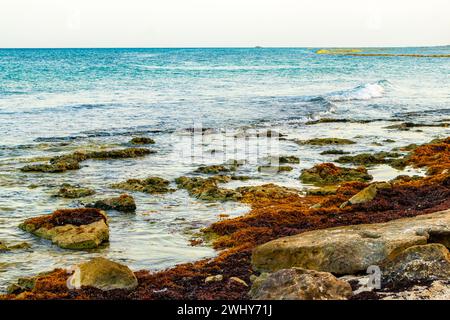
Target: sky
pixel 223 23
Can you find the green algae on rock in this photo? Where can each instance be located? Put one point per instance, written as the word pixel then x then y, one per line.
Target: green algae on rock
pixel 213 169
pixel 368 159
pixel 334 151
pixel 328 173
pixel 207 188
pixel 289 159
pixel 152 185
pixel 325 141
pixel 102 274
pixel 72 161
pixel 83 228
pixel 123 203
pixel 73 192
pixel 275 169
pixel 142 140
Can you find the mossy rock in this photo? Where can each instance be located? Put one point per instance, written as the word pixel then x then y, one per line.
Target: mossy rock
pixel 289 159
pixel 334 152
pixel 142 140
pixel 274 169
pixel 329 174
pixel 323 191
pixel 73 192
pixel 326 141
pixel 369 159
pixel 213 169
pixel 208 189
pixel 152 185
pixel 123 203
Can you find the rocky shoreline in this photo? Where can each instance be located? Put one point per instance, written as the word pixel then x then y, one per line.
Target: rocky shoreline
pixel 291 245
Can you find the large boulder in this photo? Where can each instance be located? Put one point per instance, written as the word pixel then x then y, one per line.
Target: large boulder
pixel 102 274
pixel 351 249
pixel 84 228
pixel 418 263
pixel 299 284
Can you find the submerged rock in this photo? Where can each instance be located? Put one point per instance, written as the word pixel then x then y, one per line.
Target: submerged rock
pixel 72 161
pixel 351 249
pixel 5 247
pixel 84 228
pixel 72 192
pixel 274 169
pixel 299 284
pixel 152 185
pixel 123 203
pixel 328 173
pixel 208 189
pixel 367 194
pixel 334 151
pixel 288 159
pixel 418 263
pixel 142 140
pixel 325 141
pixel 102 274
pixel 368 159
pixel 213 169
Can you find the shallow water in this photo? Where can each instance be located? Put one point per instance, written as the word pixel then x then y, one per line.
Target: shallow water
pixel 58 101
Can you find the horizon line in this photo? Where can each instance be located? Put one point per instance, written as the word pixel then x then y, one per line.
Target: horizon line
pixel 226 47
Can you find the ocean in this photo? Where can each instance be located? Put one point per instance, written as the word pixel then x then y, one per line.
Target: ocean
pixel 55 101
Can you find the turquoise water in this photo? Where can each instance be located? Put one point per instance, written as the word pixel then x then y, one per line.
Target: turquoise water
pixel 60 100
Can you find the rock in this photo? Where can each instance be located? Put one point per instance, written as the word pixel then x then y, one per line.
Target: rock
pixel 368 159
pixel 288 159
pixel 84 228
pixel 102 274
pixel 142 140
pixel 325 141
pixel 271 192
pixel 150 185
pixel 23 245
pixel 351 249
pixel 367 194
pixel 418 263
pixel 123 203
pixel 72 192
pixel 72 161
pixel 274 169
pixel 239 281
pixel 323 191
pixel 214 169
pixel 215 278
pixel 328 173
pixel 299 284
pixel 208 189
pixel 334 151
pixel 437 290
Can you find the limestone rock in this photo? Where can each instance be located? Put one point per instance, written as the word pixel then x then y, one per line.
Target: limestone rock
pixel 367 194
pixel 351 249
pixel 71 228
pixel 418 263
pixel 102 274
pixel 299 284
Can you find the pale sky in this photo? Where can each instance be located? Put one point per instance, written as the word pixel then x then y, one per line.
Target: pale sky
pixel 223 23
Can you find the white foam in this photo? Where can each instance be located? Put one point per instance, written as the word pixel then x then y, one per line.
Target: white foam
pixel 363 92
